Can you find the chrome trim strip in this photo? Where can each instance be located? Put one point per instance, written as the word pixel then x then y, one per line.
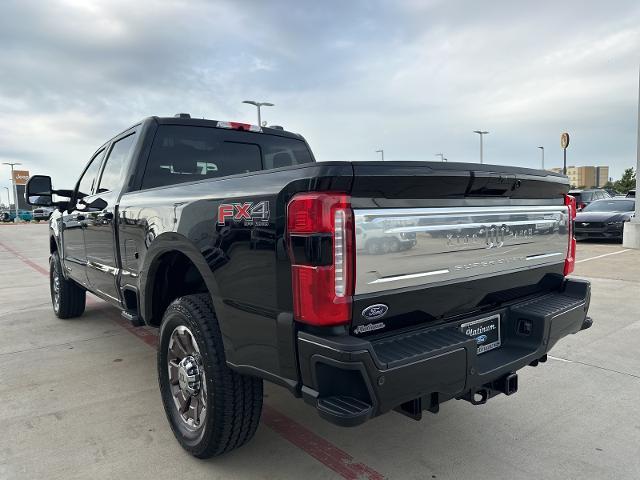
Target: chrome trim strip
pixel 543 255
pixel 446 211
pixel 428 228
pixel 409 276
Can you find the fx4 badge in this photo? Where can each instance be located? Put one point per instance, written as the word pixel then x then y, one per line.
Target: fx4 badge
pixel 248 213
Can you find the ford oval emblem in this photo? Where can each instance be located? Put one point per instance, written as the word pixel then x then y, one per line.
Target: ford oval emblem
pixel 376 311
pixel 481 339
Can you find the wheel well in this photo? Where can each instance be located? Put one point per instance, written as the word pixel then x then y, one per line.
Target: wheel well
pixel 174 276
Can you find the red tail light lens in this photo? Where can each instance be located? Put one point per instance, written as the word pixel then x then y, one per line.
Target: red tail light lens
pixel 570 261
pixel 320 240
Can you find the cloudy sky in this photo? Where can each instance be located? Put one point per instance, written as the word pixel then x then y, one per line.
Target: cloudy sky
pixel 413 77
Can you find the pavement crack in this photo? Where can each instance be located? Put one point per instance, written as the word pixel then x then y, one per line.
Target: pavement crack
pixel 595 366
pixel 53 345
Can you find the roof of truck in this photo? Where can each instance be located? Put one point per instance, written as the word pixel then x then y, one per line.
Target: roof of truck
pixel 184 119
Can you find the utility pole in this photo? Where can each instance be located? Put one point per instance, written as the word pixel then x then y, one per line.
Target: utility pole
pixel 381 152
pixel 258 105
pixel 15 190
pixel 542 150
pixel 482 133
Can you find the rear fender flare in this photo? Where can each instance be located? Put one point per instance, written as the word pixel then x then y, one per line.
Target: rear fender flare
pixel 165 243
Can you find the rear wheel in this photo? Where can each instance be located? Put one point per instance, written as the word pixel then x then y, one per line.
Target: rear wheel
pixel 68 298
pixel 211 409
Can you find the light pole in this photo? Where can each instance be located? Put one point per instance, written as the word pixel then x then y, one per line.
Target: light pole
pixel 542 150
pixel 258 105
pixel 482 133
pixel 13 182
pixel 441 155
pixel 8 197
pixel 381 152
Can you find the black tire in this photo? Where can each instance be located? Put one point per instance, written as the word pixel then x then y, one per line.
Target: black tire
pixel 70 298
pixel 5 217
pixel 233 402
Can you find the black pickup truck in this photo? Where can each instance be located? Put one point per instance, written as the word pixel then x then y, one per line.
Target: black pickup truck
pixel 362 287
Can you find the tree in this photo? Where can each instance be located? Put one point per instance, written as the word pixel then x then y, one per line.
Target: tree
pixel 627 182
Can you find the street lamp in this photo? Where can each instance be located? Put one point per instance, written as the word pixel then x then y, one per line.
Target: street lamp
pixel 258 105
pixel 381 152
pixel 542 150
pixel 8 198
pixel 441 155
pixel 13 181
pixel 482 134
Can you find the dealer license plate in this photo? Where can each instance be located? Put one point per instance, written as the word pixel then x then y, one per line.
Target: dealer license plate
pixel 486 332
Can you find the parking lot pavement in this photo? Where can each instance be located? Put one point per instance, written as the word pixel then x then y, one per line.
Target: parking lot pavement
pixel 79 399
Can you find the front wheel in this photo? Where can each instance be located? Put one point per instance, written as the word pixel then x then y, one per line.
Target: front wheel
pixel 211 409
pixel 68 298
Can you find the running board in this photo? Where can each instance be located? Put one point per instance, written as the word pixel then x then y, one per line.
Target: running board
pixel 132 317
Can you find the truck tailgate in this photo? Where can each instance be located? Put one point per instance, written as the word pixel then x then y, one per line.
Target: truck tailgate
pixel 438 240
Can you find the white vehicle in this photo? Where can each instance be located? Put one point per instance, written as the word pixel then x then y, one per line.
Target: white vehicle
pixel 42 213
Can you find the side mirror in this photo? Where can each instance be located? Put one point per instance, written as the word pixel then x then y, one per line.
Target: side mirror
pixel 96 205
pixel 38 191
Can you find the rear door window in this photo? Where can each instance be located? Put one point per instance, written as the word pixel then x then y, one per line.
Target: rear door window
pixel 182 153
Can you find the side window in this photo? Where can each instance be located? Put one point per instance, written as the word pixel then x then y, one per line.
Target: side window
pixel 90 175
pixel 185 154
pixel 112 172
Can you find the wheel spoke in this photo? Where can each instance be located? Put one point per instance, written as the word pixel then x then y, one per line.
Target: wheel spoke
pixel 185 343
pixel 177 348
pixel 184 403
pixel 195 413
pixel 173 372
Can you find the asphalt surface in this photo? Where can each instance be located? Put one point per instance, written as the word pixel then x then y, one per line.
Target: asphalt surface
pixel 79 399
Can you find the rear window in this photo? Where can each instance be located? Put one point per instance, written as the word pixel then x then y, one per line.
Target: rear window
pixel 185 153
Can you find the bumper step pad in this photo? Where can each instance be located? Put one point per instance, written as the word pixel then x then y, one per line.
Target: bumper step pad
pixel 402 348
pixel 349 410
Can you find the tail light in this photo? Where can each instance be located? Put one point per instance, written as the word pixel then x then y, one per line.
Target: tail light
pixel 570 261
pixel 320 242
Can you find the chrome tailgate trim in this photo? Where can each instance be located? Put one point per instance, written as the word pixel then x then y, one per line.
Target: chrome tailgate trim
pixel 410 247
